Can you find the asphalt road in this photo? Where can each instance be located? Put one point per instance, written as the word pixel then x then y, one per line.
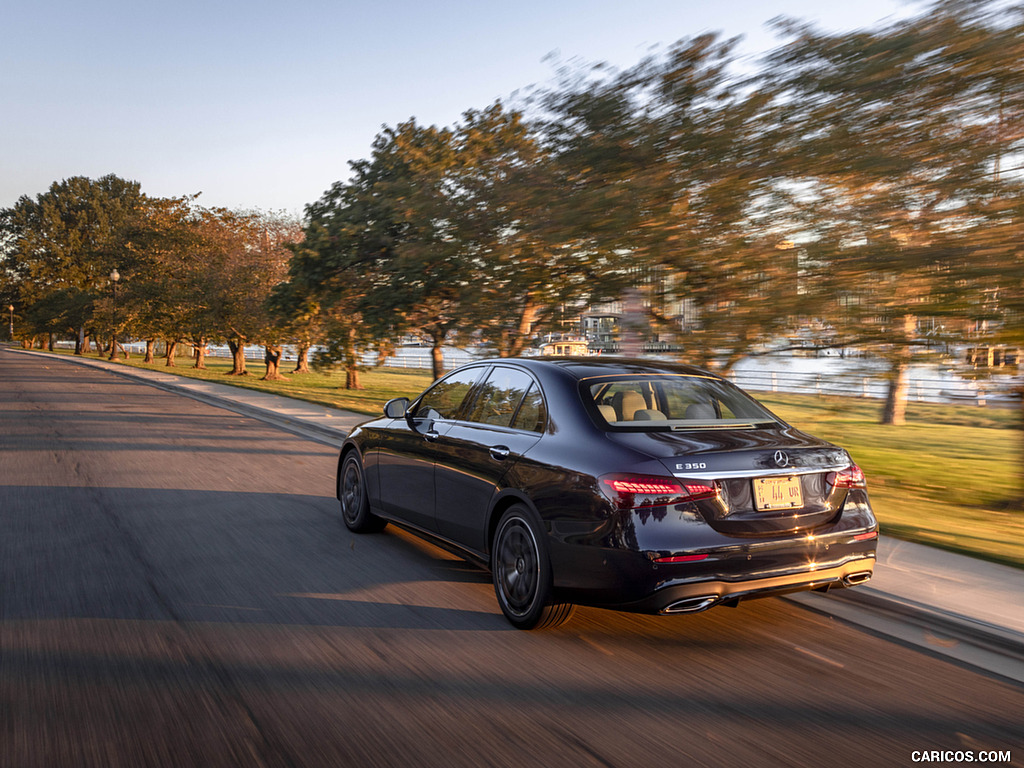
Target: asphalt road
pixel 178 590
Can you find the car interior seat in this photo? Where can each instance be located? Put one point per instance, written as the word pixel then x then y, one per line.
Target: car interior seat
pixel 701 411
pixel 648 414
pixel 627 403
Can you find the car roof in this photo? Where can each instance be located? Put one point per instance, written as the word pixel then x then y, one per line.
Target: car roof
pixel 590 367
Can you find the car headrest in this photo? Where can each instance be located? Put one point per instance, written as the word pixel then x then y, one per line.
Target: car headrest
pixel 701 411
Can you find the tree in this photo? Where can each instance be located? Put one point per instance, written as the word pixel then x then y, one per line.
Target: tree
pixel 328 274
pixel 201 275
pixel 728 276
pixel 247 257
pixel 297 309
pixel 662 172
pixel 535 210
pixel 990 262
pixel 422 281
pixel 892 140
pixel 158 294
pixel 61 247
pixel 382 250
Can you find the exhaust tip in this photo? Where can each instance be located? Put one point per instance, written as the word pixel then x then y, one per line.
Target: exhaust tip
pixel 691 604
pixel 856 578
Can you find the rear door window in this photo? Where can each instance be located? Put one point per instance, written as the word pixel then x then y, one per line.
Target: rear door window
pixel 533 413
pixel 500 396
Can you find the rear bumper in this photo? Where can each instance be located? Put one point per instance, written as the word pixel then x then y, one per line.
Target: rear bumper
pixel 692 596
pixel 616 566
pixel 633 581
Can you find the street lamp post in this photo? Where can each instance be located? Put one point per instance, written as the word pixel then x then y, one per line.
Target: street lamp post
pixel 10 308
pixel 114 277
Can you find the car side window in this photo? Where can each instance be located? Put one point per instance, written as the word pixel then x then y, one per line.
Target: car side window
pixel 444 399
pixel 532 413
pixel 500 396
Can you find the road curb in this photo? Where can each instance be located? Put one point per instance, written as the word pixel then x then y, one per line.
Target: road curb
pixel 967 640
pixel 947 622
pixel 956 637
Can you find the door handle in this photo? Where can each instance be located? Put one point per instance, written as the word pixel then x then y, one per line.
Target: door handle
pixel 500 452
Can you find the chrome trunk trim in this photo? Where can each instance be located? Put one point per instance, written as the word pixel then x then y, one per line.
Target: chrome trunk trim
pixel 758 472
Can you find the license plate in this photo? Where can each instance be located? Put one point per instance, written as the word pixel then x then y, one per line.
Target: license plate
pixel 777 493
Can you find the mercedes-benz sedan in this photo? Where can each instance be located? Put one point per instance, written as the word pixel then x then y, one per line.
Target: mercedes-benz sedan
pixel 623 484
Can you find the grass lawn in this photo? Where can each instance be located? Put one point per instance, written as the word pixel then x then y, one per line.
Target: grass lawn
pixel 326 388
pixel 947 478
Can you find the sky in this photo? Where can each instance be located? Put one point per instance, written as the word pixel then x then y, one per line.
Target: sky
pixel 260 105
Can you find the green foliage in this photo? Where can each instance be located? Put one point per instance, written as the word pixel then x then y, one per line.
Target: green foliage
pixel 892 142
pixel 441 231
pixel 60 248
pixel 186 273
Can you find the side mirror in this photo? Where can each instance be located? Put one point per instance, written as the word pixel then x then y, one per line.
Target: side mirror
pixel 395 409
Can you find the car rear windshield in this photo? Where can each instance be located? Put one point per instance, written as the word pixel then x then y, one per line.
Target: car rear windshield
pixel 673 402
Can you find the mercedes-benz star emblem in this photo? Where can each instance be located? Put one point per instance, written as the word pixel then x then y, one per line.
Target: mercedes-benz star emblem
pixel 781 459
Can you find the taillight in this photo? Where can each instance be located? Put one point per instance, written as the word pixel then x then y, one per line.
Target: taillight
pixel 851 477
pixel 633 491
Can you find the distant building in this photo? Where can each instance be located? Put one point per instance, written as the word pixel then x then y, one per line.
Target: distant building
pixel 571 346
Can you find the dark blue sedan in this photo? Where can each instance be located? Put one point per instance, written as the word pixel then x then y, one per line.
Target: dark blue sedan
pixel 624 484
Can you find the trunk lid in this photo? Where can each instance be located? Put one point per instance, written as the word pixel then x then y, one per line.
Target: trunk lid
pixel 770 480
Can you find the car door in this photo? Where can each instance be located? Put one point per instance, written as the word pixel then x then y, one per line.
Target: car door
pixel 506 419
pixel 408 448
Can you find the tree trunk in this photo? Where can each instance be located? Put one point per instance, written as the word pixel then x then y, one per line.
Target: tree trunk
pixel 272 357
pixel 49 344
pixel 514 346
pixel 200 353
pixel 150 344
pixel 352 377
pixel 113 348
pixel 81 341
pixel 237 348
pixel 351 360
pixel 385 349
pixel 896 398
pixel 437 356
pixel 172 350
pixel 302 358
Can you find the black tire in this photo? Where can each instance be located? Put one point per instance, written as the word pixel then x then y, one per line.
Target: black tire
pixel 521 571
pixel 355 504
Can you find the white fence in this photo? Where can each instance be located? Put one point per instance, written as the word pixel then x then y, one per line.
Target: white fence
pixel 920 389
